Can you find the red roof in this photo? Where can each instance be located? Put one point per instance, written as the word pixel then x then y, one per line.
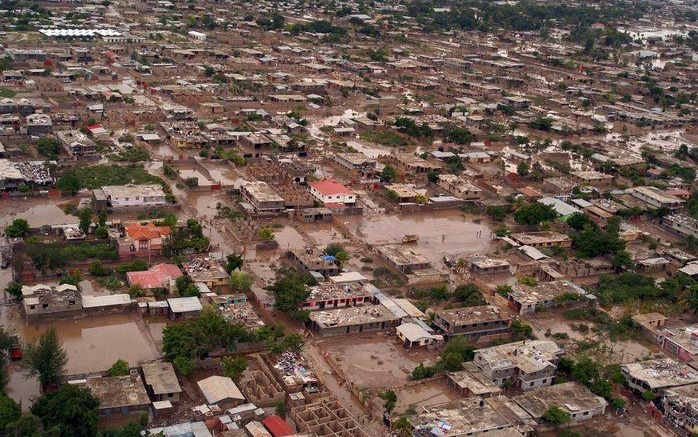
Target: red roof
pixel 329 187
pixel 138 231
pixel 155 276
pixel 277 426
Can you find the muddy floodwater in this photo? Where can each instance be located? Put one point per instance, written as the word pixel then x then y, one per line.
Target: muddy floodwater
pixel 93 344
pixel 440 233
pixel 37 212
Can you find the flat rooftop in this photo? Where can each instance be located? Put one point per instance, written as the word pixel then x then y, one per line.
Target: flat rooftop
pixel 664 372
pixel 571 397
pixel 468 315
pixel 532 238
pixel 402 255
pixel 527 355
pixel 352 316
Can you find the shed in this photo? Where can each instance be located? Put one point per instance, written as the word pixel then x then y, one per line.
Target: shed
pixel 220 389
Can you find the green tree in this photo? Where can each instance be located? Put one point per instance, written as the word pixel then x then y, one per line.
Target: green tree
pixel 388 174
pixel 9 411
pixel 71 411
pixel 18 228
pixel 47 358
pixel 585 371
pixel 402 427
pixel 234 262
pixel 48 147
pixel 14 289
pixel 240 281
pixel 119 368
pixel 532 214
pixel 266 234
pixel 85 216
pixel 556 416
pixel 289 292
pixel 469 295
pixel 68 183
pixel 233 367
pixel 523 169
pixel 28 425
pixel 390 398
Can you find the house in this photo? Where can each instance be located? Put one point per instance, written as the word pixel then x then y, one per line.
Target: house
pixel 411 165
pixel 356 163
pixel 415 335
pixel 658 375
pixel 592 178
pixel 117 395
pixel 129 196
pixel 564 210
pixel 352 320
pixel 184 307
pixel 277 426
pixel 459 187
pixel 331 192
pixel 262 197
pixel 684 225
pixel 542 239
pixel 494 416
pixel 471 381
pixel 206 270
pixel 309 262
pixel 143 241
pixel 571 397
pixel 47 300
pixel 656 198
pixel 221 391
pixel 681 342
pixel 680 407
pixel 528 364
pixel 475 324
pixel 330 295
pixel 483 265
pixel 161 381
pixel 527 299
pixel 652 325
pixel 158 277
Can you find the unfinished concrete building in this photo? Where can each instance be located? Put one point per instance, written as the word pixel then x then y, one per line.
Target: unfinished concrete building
pixel 478 323
pixel 575 399
pixel 259 386
pixel 680 406
pixel 326 418
pixel 529 364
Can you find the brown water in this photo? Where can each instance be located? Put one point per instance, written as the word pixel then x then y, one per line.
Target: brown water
pixel 37 212
pixel 22 389
pixel 440 233
pixel 92 344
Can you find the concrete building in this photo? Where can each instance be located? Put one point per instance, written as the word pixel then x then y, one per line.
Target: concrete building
pixel 206 270
pixel 262 197
pixel 325 417
pixel 476 324
pixel 592 178
pixel 414 335
pixel 330 295
pixel 680 405
pixel 142 240
pixel 43 300
pixel 459 187
pixel 310 262
pixel 118 395
pixel 158 277
pixel 129 196
pixel 526 299
pixel 495 416
pixel 529 364
pixel 656 198
pixel 161 381
pixel 330 192
pixel 573 398
pixel 483 265
pixel 681 342
pixel 542 239
pixel 684 225
pixel 221 391
pixel 356 163
pixel 658 375
pixel 352 320
pixel 409 262
pixel 471 381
